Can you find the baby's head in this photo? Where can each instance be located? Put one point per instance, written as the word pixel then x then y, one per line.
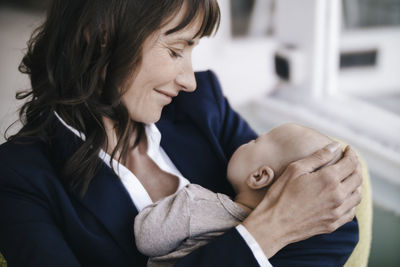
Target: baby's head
pixel 254 165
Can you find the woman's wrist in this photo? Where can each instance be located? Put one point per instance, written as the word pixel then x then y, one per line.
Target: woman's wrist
pixel 267 232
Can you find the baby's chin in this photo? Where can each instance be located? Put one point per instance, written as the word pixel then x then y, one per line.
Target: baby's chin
pixel 236 181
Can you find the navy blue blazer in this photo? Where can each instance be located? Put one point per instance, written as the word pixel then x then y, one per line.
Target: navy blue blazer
pixel 44 223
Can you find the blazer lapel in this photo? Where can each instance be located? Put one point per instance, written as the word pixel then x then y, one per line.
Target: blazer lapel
pixel 191 145
pixel 109 201
pixel 106 198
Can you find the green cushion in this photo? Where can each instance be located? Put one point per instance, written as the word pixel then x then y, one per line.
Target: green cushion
pixel 359 257
pixel 3 262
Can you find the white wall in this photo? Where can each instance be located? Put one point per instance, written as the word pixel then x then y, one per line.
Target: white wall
pixel 244 66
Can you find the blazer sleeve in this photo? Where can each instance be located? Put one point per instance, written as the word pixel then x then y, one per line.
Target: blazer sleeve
pixel 230 249
pixel 28 236
pixel 322 250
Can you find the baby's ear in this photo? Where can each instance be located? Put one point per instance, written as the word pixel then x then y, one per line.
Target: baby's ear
pixel 260 178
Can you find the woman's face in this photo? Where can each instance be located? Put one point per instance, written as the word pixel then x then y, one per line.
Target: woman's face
pixel 165 70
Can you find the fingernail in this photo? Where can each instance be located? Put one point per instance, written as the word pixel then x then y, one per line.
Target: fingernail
pixel 333 147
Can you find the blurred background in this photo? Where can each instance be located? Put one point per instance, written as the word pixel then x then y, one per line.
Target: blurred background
pixel 330 64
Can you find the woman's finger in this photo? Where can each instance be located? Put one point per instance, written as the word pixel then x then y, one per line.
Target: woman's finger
pixel 343 168
pixel 318 159
pixel 347 217
pixel 351 183
pixel 306 165
pixel 350 203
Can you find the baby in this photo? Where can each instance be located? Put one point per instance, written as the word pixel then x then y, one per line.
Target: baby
pixel 178 224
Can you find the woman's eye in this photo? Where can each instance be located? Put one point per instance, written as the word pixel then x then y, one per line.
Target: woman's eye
pixel 174 54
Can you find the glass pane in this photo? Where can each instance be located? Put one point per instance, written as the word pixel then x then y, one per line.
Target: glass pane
pixel 241 11
pixel 370 42
pixel 253 18
pixel 371 13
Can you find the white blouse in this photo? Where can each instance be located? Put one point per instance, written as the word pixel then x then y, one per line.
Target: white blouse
pixel 138 193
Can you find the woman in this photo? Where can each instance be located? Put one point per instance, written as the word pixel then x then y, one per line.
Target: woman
pixel 89 156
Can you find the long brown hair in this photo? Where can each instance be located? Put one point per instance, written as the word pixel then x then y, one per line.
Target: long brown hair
pixel 78 62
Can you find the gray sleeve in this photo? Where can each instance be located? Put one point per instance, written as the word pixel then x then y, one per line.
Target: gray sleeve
pixel 210 214
pixel 161 227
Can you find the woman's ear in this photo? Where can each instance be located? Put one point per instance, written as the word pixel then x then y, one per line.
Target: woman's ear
pixel 261 178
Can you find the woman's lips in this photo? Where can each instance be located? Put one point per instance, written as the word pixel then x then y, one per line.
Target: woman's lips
pixel 166 95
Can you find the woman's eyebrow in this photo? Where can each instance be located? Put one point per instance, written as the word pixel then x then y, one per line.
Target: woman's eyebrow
pixel 188 42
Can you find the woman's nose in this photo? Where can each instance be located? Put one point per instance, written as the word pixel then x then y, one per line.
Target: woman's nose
pixel 186 79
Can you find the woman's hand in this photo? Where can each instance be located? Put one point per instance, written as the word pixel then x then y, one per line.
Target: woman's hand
pixel 307 200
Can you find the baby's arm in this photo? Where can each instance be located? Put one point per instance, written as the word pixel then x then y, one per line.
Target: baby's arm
pixel 161 227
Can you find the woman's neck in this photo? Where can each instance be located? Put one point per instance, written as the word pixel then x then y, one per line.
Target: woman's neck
pixel 112 139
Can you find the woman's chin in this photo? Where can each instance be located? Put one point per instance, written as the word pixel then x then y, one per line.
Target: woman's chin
pixel 149 118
